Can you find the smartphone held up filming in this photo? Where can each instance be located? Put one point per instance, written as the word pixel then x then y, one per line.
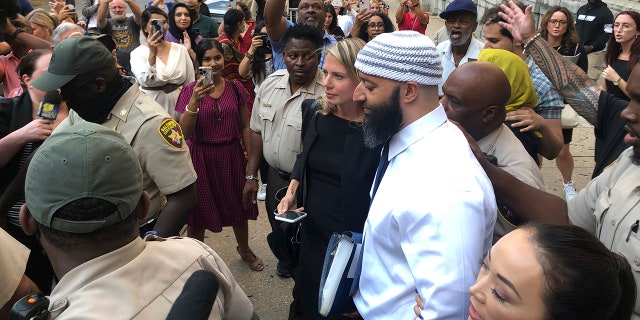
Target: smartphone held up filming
pixel 157 25
pixel 207 73
pixel 290 216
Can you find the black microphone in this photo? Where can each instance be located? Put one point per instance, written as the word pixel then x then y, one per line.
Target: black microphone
pixel 197 297
pixel 50 105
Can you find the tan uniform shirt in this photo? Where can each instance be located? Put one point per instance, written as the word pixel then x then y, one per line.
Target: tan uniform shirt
pixel 277 116
pixel 13 261
pixel 608 207
pixel 514 159
pixel 142 280
pixel 156 139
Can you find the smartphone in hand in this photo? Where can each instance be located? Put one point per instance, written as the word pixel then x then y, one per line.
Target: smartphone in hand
pixel 290 216
pixel 364 4
pixel 157 25
pixel 205 72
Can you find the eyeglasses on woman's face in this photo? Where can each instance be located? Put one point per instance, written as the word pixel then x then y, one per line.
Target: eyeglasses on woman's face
pixel 556 22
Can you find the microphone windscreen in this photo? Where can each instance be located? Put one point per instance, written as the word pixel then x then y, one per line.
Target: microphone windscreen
pixel 52 97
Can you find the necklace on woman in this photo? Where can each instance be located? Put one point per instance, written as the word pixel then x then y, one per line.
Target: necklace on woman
pixel 217 110
pixel 216 101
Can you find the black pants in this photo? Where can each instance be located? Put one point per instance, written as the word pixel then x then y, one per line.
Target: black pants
pixel 277 181
pixel 264 171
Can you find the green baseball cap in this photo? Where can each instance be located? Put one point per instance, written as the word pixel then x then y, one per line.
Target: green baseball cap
pixel 71 57
pixel 85 160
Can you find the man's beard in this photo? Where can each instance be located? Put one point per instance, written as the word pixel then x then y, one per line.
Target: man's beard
pixel 382 121
pixel 318 25
pixel 119 17
pixel 635 155
pixel 463 40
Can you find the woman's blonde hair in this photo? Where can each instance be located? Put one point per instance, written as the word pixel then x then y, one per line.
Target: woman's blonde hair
pixel 42 18
pixel 345 52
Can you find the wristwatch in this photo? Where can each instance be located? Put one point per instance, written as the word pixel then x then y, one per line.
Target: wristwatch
pixel 251 177
pixel 617 82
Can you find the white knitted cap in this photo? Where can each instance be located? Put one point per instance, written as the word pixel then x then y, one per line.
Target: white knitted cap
pixel 401 56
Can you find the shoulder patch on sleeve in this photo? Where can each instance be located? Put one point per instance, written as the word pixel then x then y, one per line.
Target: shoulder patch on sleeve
pixel 171 133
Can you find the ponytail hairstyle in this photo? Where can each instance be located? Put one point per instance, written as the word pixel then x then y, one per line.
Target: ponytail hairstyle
pixel 583 279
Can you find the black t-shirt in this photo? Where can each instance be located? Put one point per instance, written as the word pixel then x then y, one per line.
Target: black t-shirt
pixel 620 66
pixel 609 132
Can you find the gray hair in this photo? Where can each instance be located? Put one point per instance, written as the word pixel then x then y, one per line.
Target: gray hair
pixel 65 30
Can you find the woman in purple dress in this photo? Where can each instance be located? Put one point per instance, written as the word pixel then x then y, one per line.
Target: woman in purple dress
pixel 214 118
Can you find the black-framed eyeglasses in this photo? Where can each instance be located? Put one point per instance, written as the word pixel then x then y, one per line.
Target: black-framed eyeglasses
pixel 373 25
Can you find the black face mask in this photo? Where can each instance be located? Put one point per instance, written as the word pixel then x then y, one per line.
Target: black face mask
pixel 97 110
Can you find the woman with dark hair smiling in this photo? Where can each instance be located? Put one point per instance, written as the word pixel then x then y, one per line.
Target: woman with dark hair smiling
pixel 368 28
pixel 181 20
pixel 214 118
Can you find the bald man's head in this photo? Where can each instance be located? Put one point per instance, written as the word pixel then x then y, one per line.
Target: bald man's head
pixel 475 95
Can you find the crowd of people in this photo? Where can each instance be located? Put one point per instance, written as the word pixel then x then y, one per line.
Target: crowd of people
pixel 118 130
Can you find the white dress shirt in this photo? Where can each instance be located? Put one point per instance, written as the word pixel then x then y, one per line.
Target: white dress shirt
pixel 448 62
pixel 429 225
